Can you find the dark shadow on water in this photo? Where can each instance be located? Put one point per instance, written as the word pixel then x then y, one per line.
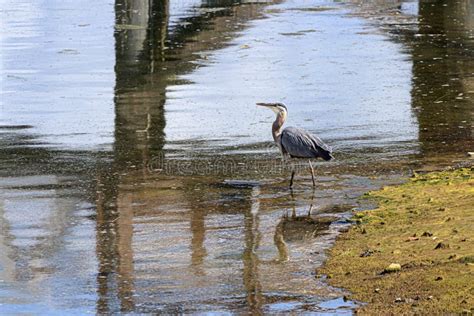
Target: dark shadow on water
pixel 443 67
pixel 250 258
pixel 148 56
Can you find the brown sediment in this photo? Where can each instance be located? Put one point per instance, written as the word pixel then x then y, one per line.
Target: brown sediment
pixel 426 227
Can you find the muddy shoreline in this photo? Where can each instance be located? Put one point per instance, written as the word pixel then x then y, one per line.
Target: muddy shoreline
pixel 412 254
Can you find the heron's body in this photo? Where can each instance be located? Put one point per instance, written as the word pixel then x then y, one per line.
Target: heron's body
pixel 296 142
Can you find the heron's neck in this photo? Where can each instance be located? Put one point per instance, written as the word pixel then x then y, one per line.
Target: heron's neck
pixel 277 125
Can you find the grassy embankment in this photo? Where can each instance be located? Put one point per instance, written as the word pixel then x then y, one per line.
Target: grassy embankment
pixel 415 252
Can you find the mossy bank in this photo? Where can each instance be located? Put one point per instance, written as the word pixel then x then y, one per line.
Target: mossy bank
pixel 415 252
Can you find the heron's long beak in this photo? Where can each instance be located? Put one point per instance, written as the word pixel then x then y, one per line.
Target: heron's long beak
pixel 265 104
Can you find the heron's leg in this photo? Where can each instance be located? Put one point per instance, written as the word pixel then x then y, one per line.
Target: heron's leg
pixel 312 173
pixel 312 202
pixel 293 211
pixel 292 174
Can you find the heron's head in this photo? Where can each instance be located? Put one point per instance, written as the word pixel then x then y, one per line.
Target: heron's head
pixel 278 108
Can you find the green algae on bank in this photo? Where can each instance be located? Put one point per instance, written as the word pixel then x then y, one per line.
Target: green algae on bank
pixel 426 227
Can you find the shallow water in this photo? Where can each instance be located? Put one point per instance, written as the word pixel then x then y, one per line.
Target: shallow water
pixel 137 174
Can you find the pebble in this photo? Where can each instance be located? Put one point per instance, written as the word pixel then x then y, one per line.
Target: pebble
pixel 366 253
pixel 393 267
pixel 441 245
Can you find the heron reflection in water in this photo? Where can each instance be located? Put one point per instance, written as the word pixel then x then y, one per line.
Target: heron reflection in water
pixel 295 142
pixel 298 228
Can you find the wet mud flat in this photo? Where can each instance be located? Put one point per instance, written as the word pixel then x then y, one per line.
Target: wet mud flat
pixel 137 174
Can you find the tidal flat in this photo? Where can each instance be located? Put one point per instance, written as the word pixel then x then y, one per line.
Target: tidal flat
pixel 414 253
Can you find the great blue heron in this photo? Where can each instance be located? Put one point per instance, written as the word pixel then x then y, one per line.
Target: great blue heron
pixel 296 142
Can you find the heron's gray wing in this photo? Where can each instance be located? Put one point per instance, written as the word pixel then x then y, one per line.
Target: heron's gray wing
pixel 301 144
